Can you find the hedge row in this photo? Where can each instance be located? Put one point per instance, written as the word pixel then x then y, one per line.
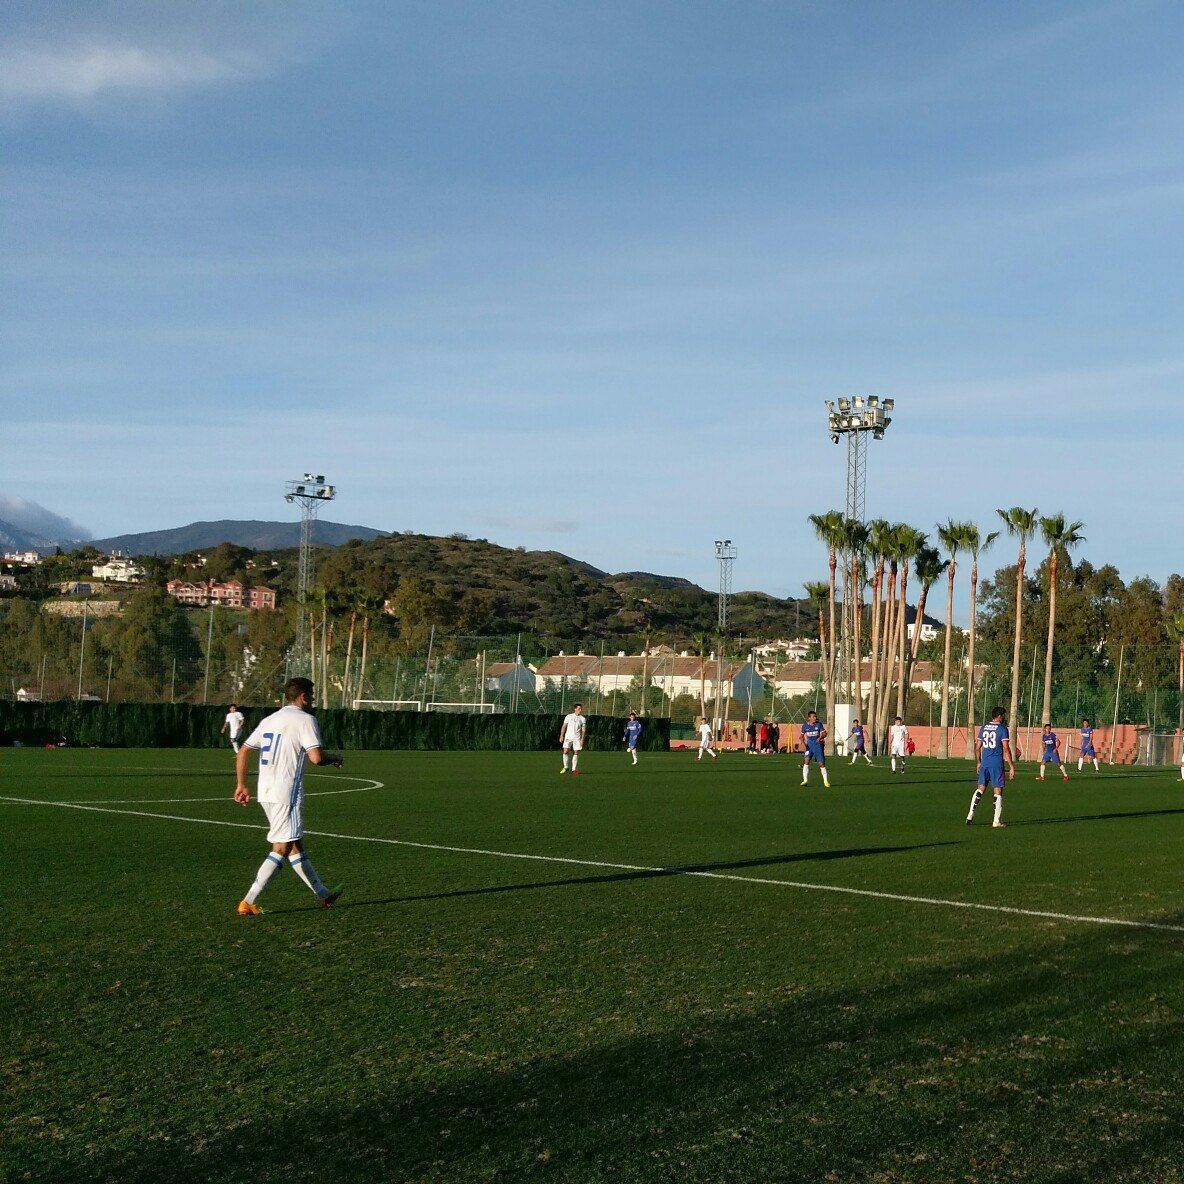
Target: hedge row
pixel 186 725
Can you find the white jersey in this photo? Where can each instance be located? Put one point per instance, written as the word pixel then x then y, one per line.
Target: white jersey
pixel 574 727
pixel 704 735
pixel 234 723
pixel 284 740
pixel 900 736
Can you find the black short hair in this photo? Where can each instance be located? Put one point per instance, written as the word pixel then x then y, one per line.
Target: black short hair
pixel 575 705
pixel 997 712
pixel 898 720
pixel 1048 725
pixel 812 713
pixel 295 687
pixel 234 707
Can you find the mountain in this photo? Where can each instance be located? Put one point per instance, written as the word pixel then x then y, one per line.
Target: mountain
pixel 259 536
pixel 26 525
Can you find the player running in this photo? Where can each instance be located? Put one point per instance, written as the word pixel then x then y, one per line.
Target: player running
pixel 858 742
pixel 898 744
pixel 1051 754
pixel 705 741
pixel 814 738
pixel 234 724
pixel 571 739
pixel 1086 751
pixel 632 735
pixel 285 740
pixel 991 747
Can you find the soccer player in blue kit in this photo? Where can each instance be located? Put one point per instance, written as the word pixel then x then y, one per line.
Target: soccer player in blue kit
pixel 1051 754
pixel 1087 752
pixel 632 734
pixel 858 742
pixel 991 747
pixel 814 737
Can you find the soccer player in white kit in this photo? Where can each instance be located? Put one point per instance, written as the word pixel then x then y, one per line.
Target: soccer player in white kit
pixel 571 738
pixel 705 739
pixel 898 738
pixel 234 724
pixel 285 740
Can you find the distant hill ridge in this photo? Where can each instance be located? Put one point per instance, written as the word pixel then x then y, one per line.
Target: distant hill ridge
pixel 258 535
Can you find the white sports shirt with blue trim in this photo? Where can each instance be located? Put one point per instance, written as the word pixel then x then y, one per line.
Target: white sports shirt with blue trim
pixel 283 739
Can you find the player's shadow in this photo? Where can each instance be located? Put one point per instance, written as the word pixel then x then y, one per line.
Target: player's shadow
pixel 624 877
pixel 1094 817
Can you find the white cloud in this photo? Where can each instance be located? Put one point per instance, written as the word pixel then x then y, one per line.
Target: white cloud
pixel 87 71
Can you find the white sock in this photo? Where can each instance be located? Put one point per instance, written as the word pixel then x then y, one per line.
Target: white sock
pixel 566 760
pixel 825 776
pixel 1041 770
pixel 894 764
pixel 633 753
pixel 867 758
pixel 805 774
pixel 575 761
pixel 1080 763
pixel 234 745
pixel 302 866
pixel 998 807
pixel 1096 768
pixel 978 793
pixel 268 870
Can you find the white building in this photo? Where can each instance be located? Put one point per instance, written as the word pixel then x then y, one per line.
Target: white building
pixel 7 583
pixel 929 626
pixel 673 674
pixel 26 558
pixel 119 569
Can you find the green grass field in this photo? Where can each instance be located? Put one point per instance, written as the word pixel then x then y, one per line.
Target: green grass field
pixel 463 1016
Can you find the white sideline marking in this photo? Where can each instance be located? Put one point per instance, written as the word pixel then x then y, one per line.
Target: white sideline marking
pixel 312 793
pixel 633 867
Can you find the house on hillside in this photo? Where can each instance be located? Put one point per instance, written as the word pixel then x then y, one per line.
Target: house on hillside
pixel 24 558
pixel 119 569
pixel 930 626
pixel 803 678
pixel 7 582
pixel 508 678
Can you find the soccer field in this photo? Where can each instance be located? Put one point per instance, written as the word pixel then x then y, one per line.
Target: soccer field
pixel 674 972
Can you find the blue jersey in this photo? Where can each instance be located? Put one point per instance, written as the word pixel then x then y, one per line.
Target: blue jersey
pixel 992 737
pixel 633 732
pixel 1051 744
pixel 857 736
pixel 1087 740
pixel 812 734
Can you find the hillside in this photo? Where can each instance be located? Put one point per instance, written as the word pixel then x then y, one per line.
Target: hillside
pixel 479 587
pixel 259 536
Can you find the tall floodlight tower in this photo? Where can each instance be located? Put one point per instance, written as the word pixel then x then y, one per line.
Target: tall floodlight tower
pixel 309 492
pixel 854 419
pixel 725 555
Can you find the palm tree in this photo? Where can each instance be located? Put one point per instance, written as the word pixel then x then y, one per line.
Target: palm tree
pixel 1059 535
pixel 370 602
pixel 929 566
pixel 1175 625
pixel 953 536
pixel 858 538
pixel 817 593
pixel 891 544
pixel 829 529
pixel 878 542
pixel 702 642
pixel 1021 524
pixel 911 542
pixel 976 544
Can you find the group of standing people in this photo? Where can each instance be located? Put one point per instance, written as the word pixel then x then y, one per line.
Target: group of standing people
pixel 764 738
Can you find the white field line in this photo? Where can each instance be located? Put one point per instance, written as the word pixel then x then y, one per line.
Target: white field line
pixel 603 865
pixel 312 793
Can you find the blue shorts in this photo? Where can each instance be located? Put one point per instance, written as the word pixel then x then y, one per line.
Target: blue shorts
pixel 1088 750
pixel 632 743
pixel 1051 759
pixel 995 778
pixel 814 753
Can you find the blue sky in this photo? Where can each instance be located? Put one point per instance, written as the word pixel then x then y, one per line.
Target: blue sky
pixel 581 276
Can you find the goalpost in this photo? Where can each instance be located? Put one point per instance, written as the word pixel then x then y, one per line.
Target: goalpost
pixel 423 705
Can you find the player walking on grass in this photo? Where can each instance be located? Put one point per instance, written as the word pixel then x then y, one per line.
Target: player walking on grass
pixel 991 747
pixel 632 735
pixel 1051 754
pixel 1086 752
pixel 571 738
pixel 705 740
pixel 233 723
pixel 898 744
pixel 285 740
pixel 858 742
pixel 814 737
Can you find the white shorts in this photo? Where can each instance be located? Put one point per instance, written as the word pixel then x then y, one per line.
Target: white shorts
pixel 897 750
pixel 285 821
pixel 573 746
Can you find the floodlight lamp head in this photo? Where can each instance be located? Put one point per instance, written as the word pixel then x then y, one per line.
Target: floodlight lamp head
pixel 844 403
pixel 873 400
pixel 834 437
pixel 857 402
pixel 889 404
pixel 829 404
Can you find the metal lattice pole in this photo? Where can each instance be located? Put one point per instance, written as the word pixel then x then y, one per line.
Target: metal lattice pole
pixel 308 493
pixel 725 554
